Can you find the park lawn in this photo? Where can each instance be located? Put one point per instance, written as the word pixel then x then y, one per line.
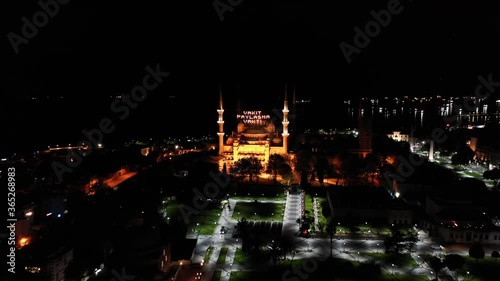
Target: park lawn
pixel 292 263
pixel 486 269
pixel 401 260
pixel 222 255
pixel 274 197
pixel 427 258
pixel 216 275
pixel 473 174
pixel 173 210
pixel 244 275
pixel 205 222
pixel 309 204
pixel 240 257
pixel 208 254
pixel 323 210
pixel 257 191
pixel 403 277
pixel 363 228
pixel 260 211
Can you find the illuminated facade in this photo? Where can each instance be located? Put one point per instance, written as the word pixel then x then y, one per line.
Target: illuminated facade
pixel 397 136
pixel 255 135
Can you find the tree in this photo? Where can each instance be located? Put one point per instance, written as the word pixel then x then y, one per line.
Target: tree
pixel 351 167
pixel 285 169
pixel 321 167
pixel 238 171
pixel 251 241
pixel 243 228
pixel 411 240
pixel 369 269
pixel 454 262
pixel 331 228
pixel 304 164
pixel 250 166
pixel 395 241
pixel 476 251
pixel 286 174
pixel 494 175
pixel 463 156
pixel 286 245
pixel 436 264
pixel 495 255
pixel 372 165
pixel 255 168
pixel 275 251
pixel 275 164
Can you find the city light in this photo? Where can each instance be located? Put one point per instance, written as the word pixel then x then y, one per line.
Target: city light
pixel 23 242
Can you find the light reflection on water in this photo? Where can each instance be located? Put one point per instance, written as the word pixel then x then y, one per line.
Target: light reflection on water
pixel 422 113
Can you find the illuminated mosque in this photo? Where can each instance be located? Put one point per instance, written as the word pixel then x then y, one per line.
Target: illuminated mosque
pixel 255 136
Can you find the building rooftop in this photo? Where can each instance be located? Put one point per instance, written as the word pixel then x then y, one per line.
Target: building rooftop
pixel 360 197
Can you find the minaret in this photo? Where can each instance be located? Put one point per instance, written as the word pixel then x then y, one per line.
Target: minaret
pixel 285 122
pixel 238 103
pixel 220 121
pixel 294 112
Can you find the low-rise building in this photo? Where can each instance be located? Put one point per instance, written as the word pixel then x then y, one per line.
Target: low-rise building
pixel 368 203
pixel 462 216
pixel 44 258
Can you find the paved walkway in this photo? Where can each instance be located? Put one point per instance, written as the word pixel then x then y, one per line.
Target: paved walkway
pixel 316 215
pixel 293 211
pixel 219 241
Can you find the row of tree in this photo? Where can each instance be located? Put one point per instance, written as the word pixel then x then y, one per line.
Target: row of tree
pixel 252 167
pixel 252 242
pixel 311 166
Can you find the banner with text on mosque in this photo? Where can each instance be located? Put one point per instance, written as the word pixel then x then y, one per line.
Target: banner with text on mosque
pixel 254 117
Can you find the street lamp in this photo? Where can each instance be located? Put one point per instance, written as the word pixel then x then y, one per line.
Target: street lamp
pixel 308 246
pixel 344 247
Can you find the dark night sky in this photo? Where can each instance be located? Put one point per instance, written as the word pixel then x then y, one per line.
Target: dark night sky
pixel 90 50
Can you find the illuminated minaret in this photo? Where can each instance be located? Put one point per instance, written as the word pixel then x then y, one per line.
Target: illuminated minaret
pixel 285 122
pixel 220 111
pixel 238 103
pixel 294 112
